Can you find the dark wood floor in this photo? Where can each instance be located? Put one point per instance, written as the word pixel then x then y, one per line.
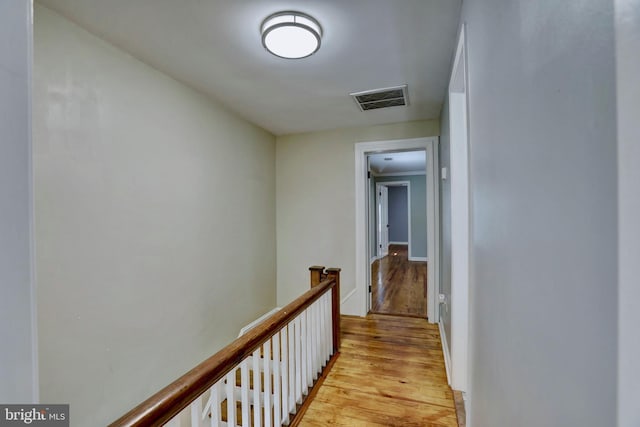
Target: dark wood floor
pixel 399 286
pixel 390 372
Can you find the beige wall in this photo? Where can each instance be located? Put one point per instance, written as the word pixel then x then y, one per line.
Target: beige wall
pixel 315 187
pixel 155 223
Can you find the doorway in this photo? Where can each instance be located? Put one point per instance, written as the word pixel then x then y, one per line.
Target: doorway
pixel 360 301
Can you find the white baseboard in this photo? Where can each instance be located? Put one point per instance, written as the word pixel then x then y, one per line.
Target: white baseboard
pixel 352 303
pixel 349 295
pixel 246 328
pixel 465 403
pixel 418 258
pixel 445 350
pixel 398 243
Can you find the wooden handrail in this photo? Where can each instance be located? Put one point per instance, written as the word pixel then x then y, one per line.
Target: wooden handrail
pixel 168 402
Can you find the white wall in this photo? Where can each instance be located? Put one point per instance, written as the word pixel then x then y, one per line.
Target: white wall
pixel 316 201
pixel 628 109
pixel 155 223
pixel 18 371
pixel 543 166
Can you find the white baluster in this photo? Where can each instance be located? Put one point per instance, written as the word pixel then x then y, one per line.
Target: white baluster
pixel 267 383
pixel 328 326
pixel 305 356
pixel 244 392
pixel 323 337
pixel 196 413
pixel 257 385
pixel 320 337
pixel 330 323
pixel 231 398
pixel 298 343
pixel 316 339
pixel 277 408
pixel 284 339
pixel 312 341
pixel 292 366
pixel 309 351
pixel 318 348
pixel 173 422
pixel 323 330
pixel 215 400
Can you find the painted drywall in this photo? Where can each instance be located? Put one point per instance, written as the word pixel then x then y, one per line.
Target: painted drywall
pixel 315 193
pixel 445 224
pixel 398 214
pixel 418 195
pixel 18 372
pixel 149 256
pixel 543 298
pixel 627 22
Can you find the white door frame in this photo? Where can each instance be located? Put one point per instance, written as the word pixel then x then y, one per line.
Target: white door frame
pixel 460 217
pixel 382 205
pixel 358 301
pixel 406 184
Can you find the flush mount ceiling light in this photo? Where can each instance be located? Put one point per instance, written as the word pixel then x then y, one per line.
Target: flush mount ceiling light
pixel 291 35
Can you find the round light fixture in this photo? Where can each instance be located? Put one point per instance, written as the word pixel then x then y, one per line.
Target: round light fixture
pixel 291 35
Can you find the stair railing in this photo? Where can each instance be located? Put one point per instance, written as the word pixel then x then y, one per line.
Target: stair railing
pixel 262 379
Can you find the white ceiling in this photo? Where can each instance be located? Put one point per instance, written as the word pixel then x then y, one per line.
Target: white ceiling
pixel 215 47
pixel 401 162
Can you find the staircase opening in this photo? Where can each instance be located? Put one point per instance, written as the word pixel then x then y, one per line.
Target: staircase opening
pixel 266 377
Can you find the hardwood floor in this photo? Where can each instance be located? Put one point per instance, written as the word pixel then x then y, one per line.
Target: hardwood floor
pixel 390 372
pixel 399 286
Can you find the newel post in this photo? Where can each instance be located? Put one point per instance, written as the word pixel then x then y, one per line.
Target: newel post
pixel 316 274
pixel 335 307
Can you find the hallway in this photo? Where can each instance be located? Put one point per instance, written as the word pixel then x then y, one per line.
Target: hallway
pixel 399 286
pixel 165 180
pixel 390 372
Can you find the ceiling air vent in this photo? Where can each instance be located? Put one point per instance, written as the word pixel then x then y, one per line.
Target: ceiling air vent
pixel 381 98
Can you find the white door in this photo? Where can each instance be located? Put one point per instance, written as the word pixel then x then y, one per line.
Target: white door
pixel 382 213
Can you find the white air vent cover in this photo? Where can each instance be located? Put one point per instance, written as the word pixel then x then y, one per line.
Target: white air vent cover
pixel 381 98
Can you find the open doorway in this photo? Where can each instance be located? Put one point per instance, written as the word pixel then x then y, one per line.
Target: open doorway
pixel 359 300
pixel 397 217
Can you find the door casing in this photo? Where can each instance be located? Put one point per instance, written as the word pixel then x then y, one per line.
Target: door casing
pixel 461 219
pixel 382 220
pixel 357 302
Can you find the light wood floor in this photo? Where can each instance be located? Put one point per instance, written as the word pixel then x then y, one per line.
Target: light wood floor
pixel 399 286
pixel 390 372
